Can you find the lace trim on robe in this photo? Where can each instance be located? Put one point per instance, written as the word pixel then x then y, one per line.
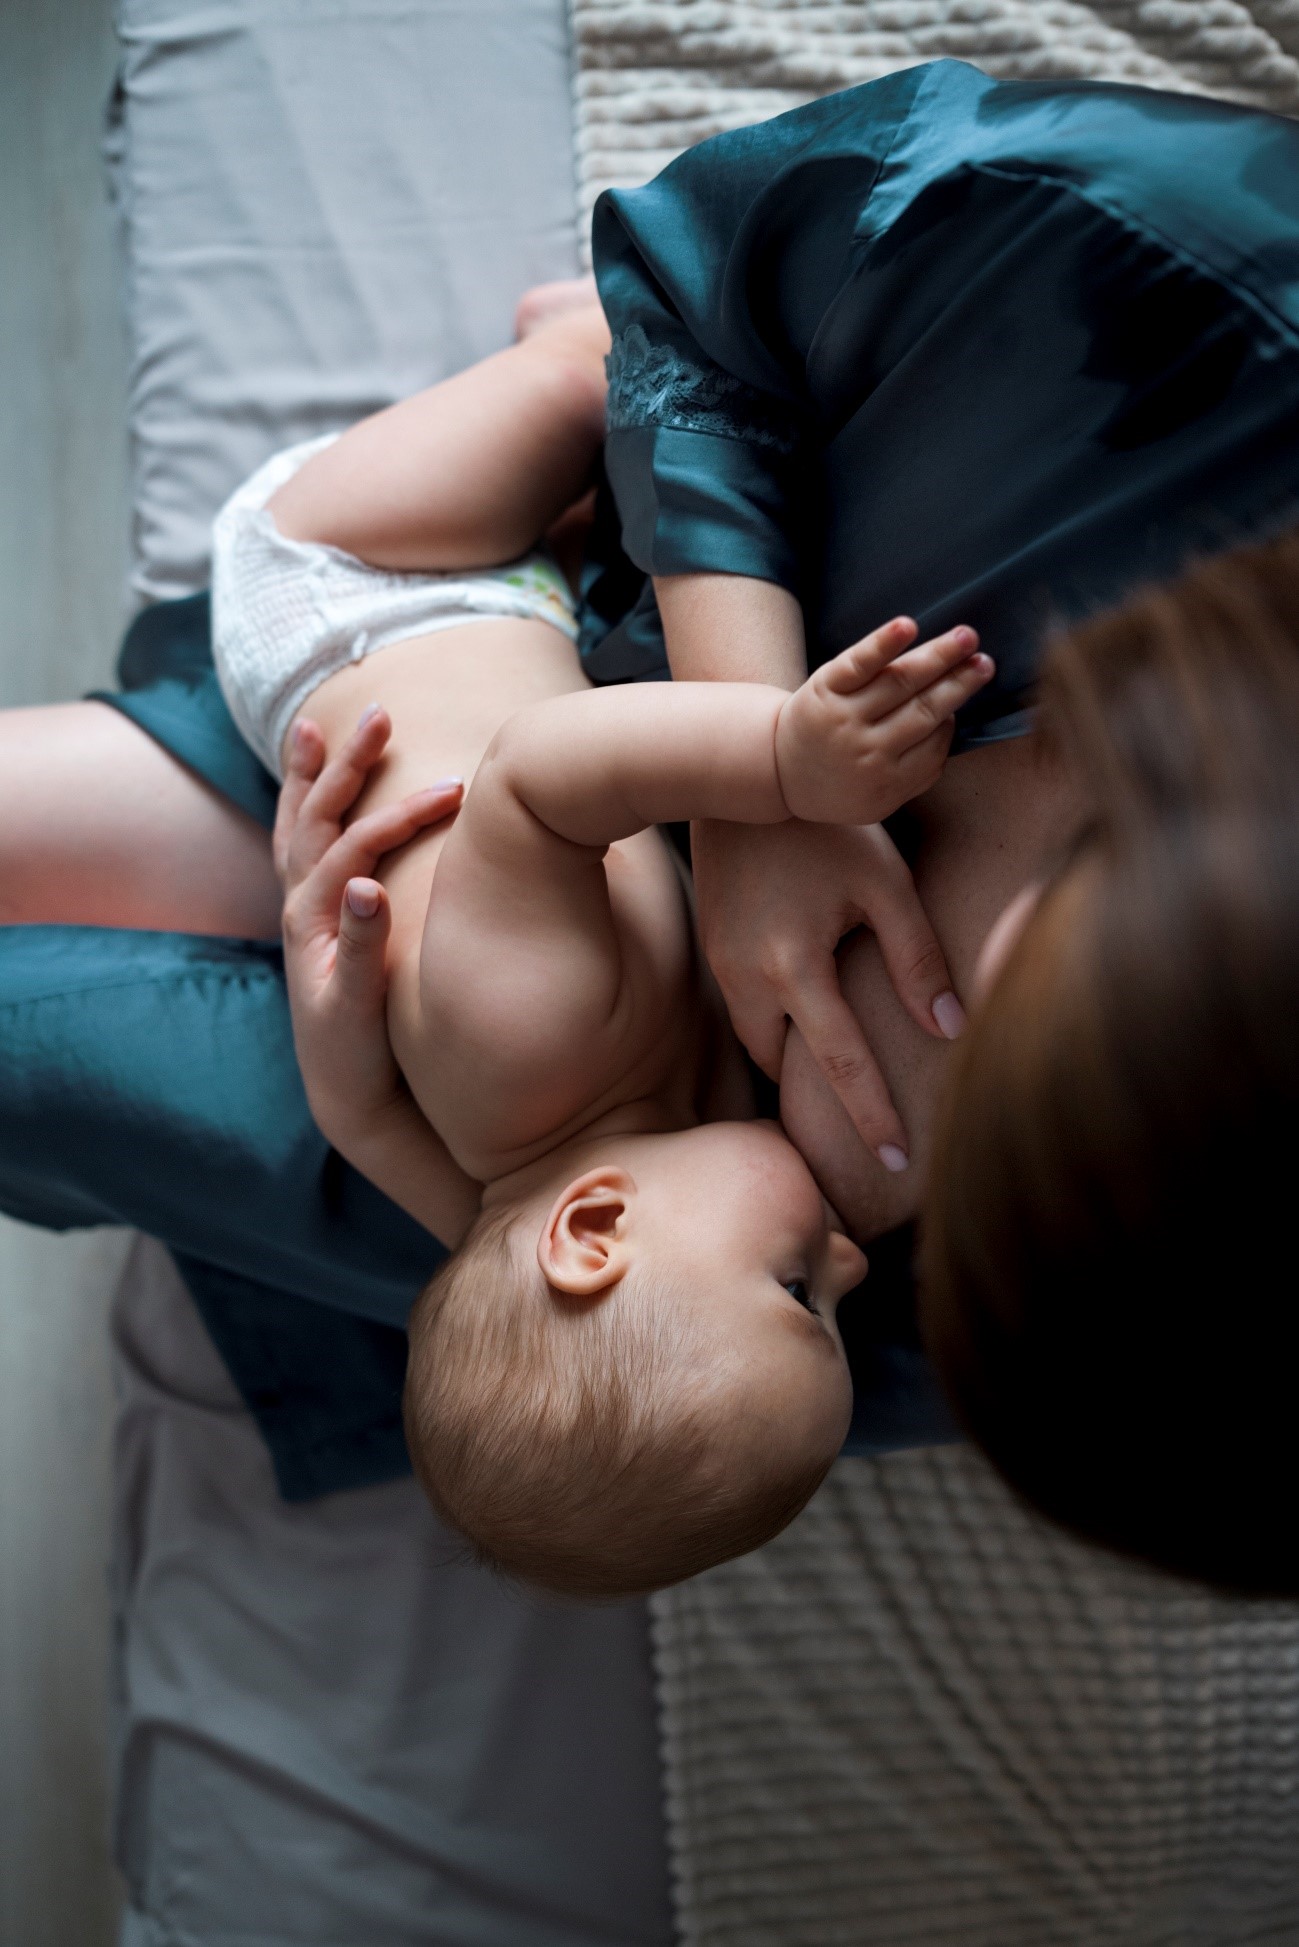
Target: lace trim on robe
pixel 650 386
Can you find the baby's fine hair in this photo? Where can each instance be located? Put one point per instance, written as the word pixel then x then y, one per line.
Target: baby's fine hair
pixel 594 1449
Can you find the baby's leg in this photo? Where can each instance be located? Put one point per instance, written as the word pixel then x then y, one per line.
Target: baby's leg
pixel 471 473
pixel 100 826
pixel 467 475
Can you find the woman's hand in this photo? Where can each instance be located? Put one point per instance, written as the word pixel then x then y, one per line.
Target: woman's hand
pixel 336 926
pixel 774 901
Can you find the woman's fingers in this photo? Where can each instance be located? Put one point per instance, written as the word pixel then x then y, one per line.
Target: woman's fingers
pixel 308 819
pixel 916 964
pixel 343 778
pixel 316 796
pixel 357 851
pixel 305 758
pixel 363 844
pixel 839 1048
pixel 760 1021
pixel 364 922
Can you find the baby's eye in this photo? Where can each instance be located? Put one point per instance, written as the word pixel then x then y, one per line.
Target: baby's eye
pixel 800 1291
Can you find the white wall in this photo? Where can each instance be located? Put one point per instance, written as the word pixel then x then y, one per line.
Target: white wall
pixel 63 529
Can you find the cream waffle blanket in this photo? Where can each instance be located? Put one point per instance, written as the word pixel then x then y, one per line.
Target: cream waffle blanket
pixel 922 1717
pixel 654 76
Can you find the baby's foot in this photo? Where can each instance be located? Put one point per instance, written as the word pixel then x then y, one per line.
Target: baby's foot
pixel 546 301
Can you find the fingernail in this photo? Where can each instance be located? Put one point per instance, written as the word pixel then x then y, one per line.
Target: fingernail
pixel 363 899
pixel 949 1015
pixel 984 664
pixel 368 715
pixel 299 735
pixel 895 1160
pixel 448 784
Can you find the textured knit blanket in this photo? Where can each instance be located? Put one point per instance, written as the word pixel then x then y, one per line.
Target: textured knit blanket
pixel 922 1716
pixel 654 76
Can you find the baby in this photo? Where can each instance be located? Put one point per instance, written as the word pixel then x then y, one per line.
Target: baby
pixel 630 1368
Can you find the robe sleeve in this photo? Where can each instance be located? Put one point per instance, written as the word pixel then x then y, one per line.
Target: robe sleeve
pixel 715 278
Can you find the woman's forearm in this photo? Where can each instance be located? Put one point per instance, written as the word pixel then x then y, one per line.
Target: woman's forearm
pixel 732 629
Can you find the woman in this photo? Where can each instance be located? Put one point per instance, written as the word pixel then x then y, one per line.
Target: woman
pixel 1001 351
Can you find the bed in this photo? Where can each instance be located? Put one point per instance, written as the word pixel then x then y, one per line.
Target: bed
pixel 330 1727
pixel 918 1717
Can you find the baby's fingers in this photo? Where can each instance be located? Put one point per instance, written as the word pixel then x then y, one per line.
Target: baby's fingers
pixel 863 663
pixel 935 707
pixel 907 673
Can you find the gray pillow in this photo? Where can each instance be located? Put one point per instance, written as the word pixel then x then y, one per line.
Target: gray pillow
pixel 322 208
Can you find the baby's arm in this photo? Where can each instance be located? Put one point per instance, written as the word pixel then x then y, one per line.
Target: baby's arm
pixel 525 988
pixel 865 733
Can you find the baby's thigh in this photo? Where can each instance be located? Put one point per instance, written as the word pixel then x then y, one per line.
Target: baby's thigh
pixel 100 826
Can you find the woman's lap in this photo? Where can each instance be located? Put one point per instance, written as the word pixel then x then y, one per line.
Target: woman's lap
pixel 103 826
pixel 148 1080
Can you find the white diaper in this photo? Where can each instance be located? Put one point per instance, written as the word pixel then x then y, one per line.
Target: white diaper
pixel 287 614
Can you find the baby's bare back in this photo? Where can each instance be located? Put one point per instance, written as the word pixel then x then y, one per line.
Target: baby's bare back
pixel 448 695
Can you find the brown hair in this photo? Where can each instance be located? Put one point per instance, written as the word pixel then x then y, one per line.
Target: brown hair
pixel 1107 1280
pixel 588 1450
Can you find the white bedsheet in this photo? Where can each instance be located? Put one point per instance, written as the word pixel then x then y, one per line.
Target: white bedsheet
pixel 336 1732
pixel 332 1731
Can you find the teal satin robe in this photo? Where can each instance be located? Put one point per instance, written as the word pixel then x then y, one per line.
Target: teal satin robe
pixel 979 351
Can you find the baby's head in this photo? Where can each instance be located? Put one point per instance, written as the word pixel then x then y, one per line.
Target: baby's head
pixel 630 1374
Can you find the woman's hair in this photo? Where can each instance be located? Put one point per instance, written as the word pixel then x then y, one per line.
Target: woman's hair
pixel 1108 1281
pixel 595 1451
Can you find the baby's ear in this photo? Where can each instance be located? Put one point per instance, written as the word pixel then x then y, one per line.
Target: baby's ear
pixel 584 1248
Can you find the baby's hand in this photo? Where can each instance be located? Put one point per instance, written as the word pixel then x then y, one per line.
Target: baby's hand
pixel 871 729
pixel 336 923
